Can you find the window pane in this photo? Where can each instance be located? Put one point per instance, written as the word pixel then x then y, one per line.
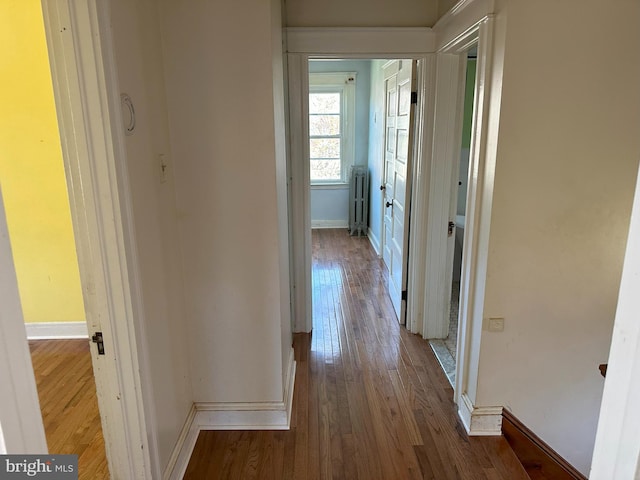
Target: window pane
pixel 324 148
pixel 324 125
pixel 325 169
pixel 324 103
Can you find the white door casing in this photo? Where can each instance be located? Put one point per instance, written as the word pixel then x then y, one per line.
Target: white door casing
pixel 91 131
pixel 398 75
pixel 458 32
pixel 356 43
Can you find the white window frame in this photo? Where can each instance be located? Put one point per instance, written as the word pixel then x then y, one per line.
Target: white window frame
pixel 345 84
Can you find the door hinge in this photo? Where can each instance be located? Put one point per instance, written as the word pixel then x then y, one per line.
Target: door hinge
pixel 414 97
pixel 403 295
pixel 97 339
pixel 452 226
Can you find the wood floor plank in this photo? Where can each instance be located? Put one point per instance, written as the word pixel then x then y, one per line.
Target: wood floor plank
pixel 69 405
pixel 370 401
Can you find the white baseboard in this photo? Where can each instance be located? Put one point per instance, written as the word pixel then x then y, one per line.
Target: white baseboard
pixel 250 416
pixel 179 459
pixel 480 421
pixel 329 224
pixel 375 243
pixel 56 330
pixel 230 416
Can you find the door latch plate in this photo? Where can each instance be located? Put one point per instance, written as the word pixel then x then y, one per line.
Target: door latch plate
pixel 98 340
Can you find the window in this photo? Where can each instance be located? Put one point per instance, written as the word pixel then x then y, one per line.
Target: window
pixel 331 126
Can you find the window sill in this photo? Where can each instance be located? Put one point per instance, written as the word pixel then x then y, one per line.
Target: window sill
pixel 329 186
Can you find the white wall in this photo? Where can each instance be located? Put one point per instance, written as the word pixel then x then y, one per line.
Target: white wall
pixel 139 62
pixel 376 150
pixel 227 154
pixel 361 13
pixel 568 151
pixel 330 205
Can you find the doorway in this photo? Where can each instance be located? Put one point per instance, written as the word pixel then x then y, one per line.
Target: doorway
pixel 446 349
pixel 88 105
pixel 360 125
pixel 440 93
pixel 43 245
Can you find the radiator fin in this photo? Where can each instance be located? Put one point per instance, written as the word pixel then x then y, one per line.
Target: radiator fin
pixel 358 200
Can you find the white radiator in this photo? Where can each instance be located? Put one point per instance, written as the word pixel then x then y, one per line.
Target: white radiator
pixel 358 200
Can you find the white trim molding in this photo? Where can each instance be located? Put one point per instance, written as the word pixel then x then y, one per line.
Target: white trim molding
pixel 250 415
pixel 458 18
pixel 181 454
pixel 56 330
pixel 397 42
pixel 231 416
pixel 298 76
pixel 329 224
pixel 374 241
pixel 87 95
pixel 479 421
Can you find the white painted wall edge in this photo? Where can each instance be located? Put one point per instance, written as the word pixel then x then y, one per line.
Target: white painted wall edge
pixel 298 74
pixel 329 224
pixel 479 421
pixel 230 416
pixel 354 41
pixel 374 241
pixel 617 446
pixel 21 428
pixel 56 330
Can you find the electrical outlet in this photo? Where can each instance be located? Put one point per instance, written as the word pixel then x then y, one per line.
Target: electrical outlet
pixel 496 324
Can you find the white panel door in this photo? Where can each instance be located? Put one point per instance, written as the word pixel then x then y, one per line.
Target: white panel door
pixel 21 427
pixel 398 133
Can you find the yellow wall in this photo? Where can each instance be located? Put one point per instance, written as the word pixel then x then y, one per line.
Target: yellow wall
pixel 32 171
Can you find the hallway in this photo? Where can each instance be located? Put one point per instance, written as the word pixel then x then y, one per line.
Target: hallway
pixel 370 401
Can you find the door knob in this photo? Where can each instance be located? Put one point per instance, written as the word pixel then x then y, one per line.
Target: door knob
pixel 382 187
pixel 389 203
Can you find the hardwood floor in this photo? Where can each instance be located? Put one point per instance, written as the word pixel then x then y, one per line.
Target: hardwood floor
pixel 370 400
pixel 67 393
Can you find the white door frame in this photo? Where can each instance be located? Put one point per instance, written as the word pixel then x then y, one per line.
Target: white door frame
pixel 459 31
pixel 365 43
pixel 89 116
